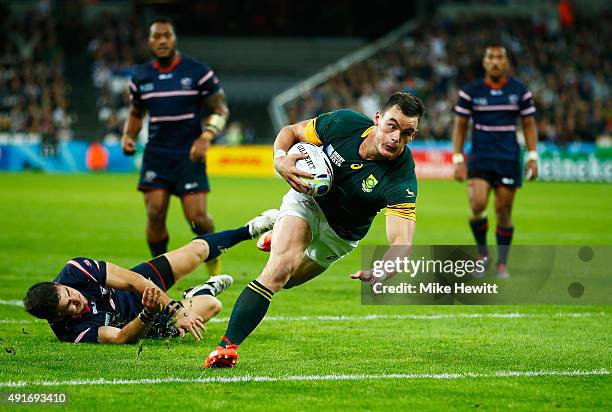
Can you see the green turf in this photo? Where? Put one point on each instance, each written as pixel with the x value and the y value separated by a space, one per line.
pixel 46 219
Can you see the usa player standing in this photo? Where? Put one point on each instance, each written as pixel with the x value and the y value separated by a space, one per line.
pixel 174 89
pixel 494 104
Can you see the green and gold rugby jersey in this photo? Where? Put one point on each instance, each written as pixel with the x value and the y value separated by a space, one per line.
pixel 361 188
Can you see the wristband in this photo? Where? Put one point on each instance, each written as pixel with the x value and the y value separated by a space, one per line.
pixel 457 158
pixel 215 123
pixel 146 317
pixel 173 307
pixel 532 155
pixel 279 153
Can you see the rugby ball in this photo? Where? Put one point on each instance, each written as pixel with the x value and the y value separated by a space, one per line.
pixel 317 163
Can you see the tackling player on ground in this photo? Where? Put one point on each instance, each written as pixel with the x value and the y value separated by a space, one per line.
pixel 99 302
pixel 373 169
pixel 175 90
pixel 494 103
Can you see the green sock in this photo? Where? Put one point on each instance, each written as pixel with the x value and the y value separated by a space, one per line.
pixel 249 310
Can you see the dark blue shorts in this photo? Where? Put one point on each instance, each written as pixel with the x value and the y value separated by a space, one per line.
pixel 178 176
pixel 496 171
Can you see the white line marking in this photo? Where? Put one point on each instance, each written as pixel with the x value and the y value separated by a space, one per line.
pixel 13 302
pixel 9 321
pixel 249 378
pixel 343 318
pixel 340 318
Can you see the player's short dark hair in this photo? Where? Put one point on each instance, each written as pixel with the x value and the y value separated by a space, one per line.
pixel 409 104
pixel 42 300
pixel 163 20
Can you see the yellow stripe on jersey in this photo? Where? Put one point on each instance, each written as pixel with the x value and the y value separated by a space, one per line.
pixel 311 133
pixel 367 131
pixel 403 210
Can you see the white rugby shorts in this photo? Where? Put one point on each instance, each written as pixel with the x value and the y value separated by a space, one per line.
pixel 326 247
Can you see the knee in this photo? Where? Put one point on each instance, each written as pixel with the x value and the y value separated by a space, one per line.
pixel 279 270
pixel 201 221
pixel 215 306
pixel 478 207
pixel 156 213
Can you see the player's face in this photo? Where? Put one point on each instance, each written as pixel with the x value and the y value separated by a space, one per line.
pixel 495 61
pixel 162 40
pixel 395 130
pixel 71 302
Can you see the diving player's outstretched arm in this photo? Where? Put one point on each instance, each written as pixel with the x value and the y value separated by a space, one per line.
pixel 400 232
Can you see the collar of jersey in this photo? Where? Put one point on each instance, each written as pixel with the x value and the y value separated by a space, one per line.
pixel 497 86
pixel 176 62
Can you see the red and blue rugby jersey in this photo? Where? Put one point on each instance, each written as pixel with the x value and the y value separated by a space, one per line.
pixel 494 112
pixel 173 97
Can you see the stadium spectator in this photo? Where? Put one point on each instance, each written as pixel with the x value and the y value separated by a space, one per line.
pixel 569 73
pixel 33 92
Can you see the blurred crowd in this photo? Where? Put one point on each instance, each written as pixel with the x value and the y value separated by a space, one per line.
pixel 116 44
pixel 34 94
pixel 566 64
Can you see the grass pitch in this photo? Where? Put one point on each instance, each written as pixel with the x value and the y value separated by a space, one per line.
pixel 319 349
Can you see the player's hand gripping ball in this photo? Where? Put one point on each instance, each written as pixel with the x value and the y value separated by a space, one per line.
pixel 318 164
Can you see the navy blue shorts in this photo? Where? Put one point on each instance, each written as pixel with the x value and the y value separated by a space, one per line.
pixel 178 176
pixel 496 171
pixel 157 271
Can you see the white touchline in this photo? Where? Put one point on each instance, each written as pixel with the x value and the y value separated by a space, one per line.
pixel 13 302
pixel 249 378
pixel 346 318
pixel 341 318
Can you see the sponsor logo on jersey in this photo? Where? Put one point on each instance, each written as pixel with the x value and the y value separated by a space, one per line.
pixel 334 156
pixel 497 92
pixel 147 87
pixel 165 76
pixel 368 184
pixel 149 176
pixel 356 166
pixel 410 193
pixel 191 185
pixel 186 83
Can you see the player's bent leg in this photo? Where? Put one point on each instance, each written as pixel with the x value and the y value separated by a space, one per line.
pixel 478 195
pixel 156 204
pixel 307 270
pixel 292 235
pixel 504 199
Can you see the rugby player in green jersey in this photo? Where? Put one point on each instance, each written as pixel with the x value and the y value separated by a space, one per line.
pixel 373 169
